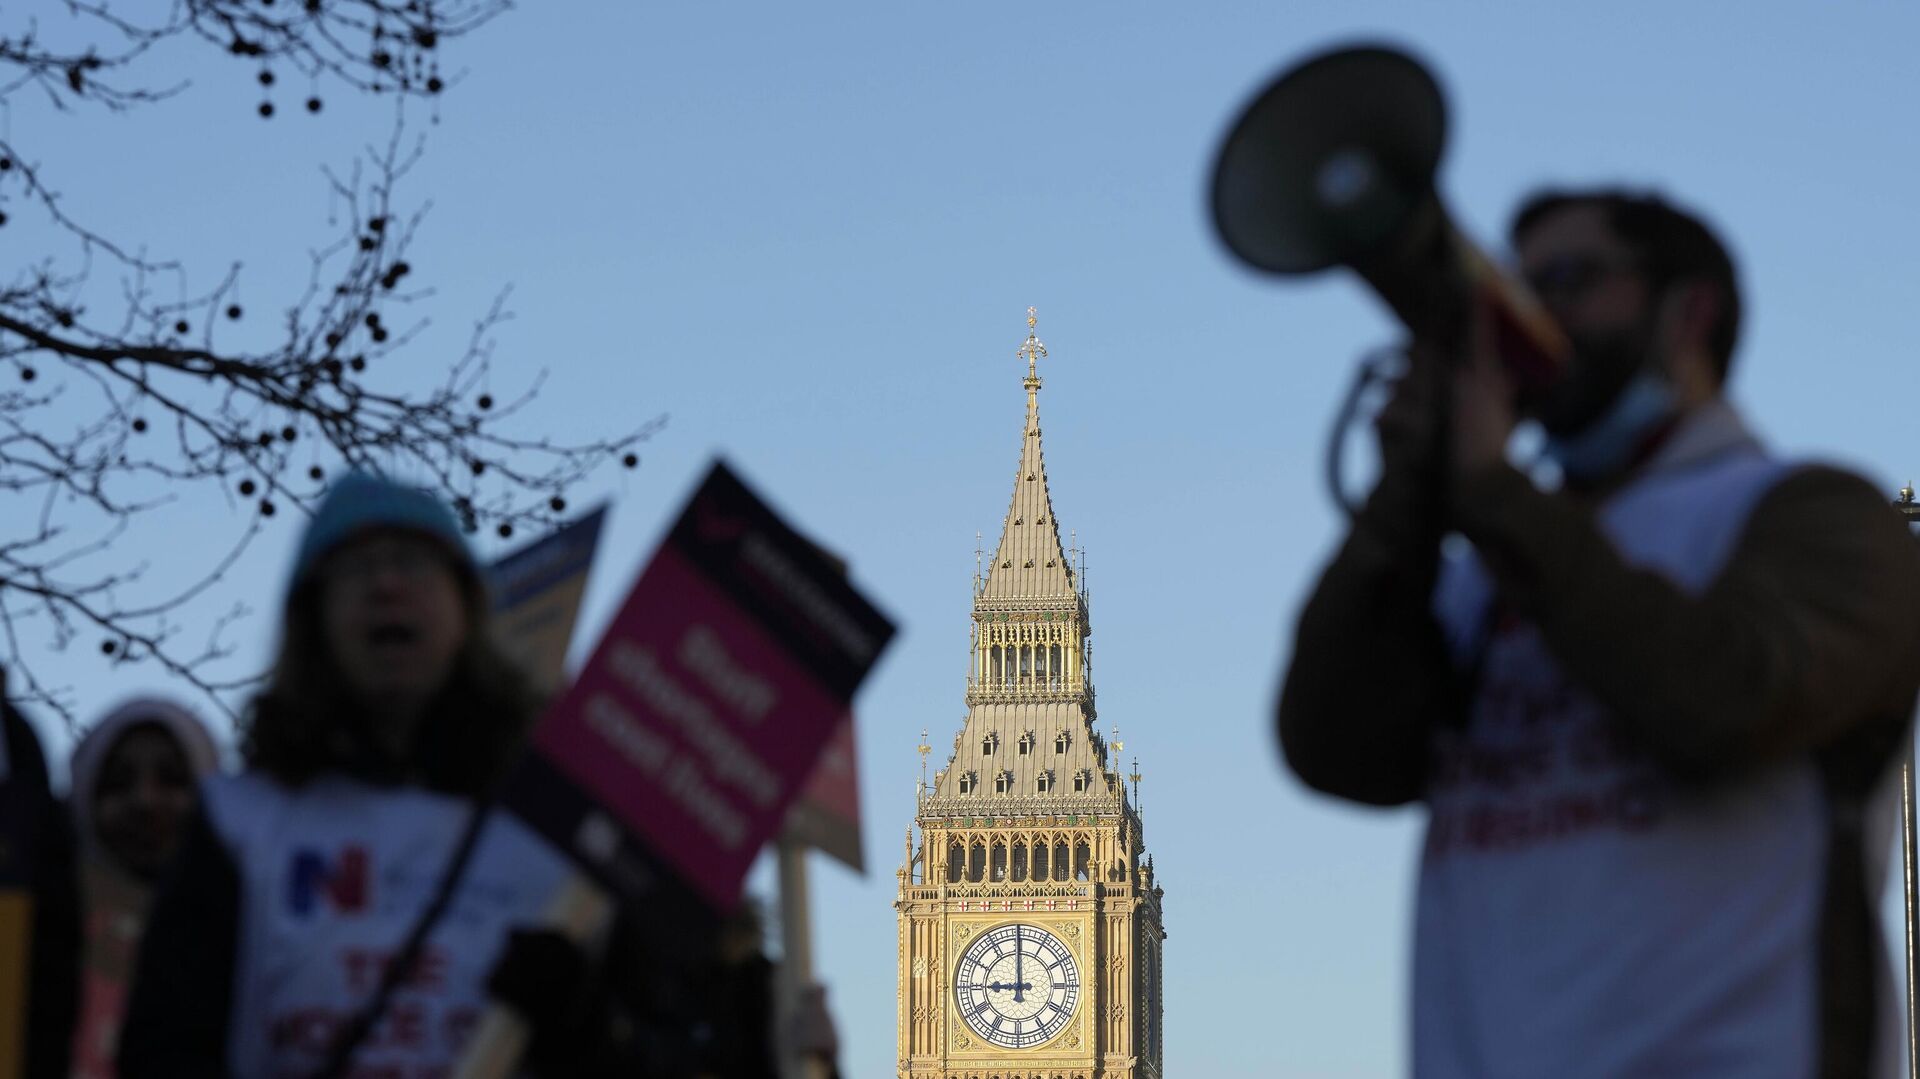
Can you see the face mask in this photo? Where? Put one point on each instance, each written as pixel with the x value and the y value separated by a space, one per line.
pixel 1605 446
pixel 1634 364
pixel 1606 361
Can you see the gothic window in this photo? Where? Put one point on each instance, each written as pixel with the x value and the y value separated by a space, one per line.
pixel 956 862
pixel 1026 663
pixel 1081 856
pixel 1053 665
pixel 977 862
pixel 1060 859
pixel 994 654
pixel 999 862
pixel 1019 861
pixel 1026 743
pixel 990 743
pixel 1040 860
pixel 1002 782
pixel 968 781
pixel 1044 782
pixel 1061 742
pixel 1082 781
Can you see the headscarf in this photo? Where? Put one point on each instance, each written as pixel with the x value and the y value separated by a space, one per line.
pixel 196 745
pixel 115 899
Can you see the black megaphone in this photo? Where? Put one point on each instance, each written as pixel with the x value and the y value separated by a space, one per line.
pixel 1334 164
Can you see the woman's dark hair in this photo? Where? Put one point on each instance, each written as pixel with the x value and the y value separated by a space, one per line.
pixel 1673 245
pixel 306 722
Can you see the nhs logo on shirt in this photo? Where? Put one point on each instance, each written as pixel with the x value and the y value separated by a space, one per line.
pixel 339 882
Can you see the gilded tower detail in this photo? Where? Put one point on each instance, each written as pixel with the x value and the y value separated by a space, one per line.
pixel 1030 923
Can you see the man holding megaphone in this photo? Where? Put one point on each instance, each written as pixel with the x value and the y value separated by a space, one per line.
pixel 1653 711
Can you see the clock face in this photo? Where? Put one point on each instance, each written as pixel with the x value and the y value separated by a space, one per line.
pixel 1016 986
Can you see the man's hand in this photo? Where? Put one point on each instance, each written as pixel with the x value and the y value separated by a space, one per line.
pixel 1408 426
pixel 1413 430
pixel 1483 403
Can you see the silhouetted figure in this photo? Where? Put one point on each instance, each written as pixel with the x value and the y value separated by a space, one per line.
pixel 39 908
pixel 1651 712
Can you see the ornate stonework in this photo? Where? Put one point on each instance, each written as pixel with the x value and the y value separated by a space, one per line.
pixel 1029 917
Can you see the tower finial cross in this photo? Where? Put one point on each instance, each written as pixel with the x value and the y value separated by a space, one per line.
pixel 1031 350
pixel 923 749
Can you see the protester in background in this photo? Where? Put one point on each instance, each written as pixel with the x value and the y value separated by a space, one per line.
pixel 1652 713
pixel 135 783
pixel 631 1014
pixel 359 820
pixel 349 904
pixel 742 992
pixel 39 909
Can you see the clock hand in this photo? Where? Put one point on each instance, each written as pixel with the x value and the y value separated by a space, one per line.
pixel 1017 978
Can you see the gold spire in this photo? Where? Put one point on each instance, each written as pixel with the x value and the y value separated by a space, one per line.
pixel 1031 351
pixel 1029 732
pixel 1029 561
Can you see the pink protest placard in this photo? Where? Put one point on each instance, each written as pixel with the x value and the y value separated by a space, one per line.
pixel 826 816
pixel 705 708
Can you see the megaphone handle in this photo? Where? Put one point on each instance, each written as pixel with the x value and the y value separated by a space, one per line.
pixel 1439 427
pixel 1335 457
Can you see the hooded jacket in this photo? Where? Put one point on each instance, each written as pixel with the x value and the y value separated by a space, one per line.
pixel 114 899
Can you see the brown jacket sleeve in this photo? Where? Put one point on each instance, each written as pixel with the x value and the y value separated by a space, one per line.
pixel 1370 672
pixel 1809 633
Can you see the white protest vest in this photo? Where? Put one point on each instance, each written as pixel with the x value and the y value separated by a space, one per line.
pixel 1581 916
pixel 332 876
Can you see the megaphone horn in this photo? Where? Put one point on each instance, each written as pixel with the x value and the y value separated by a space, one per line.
pixel 1333 164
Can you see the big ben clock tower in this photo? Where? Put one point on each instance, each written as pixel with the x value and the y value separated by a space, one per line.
pixel 1030 923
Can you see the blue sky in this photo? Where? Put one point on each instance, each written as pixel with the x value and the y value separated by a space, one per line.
pixel 810 234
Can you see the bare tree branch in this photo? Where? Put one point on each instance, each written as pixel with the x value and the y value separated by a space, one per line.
pixel 168 405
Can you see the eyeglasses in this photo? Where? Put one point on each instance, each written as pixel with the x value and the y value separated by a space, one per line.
pixel 407 558
pixel 1567 278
